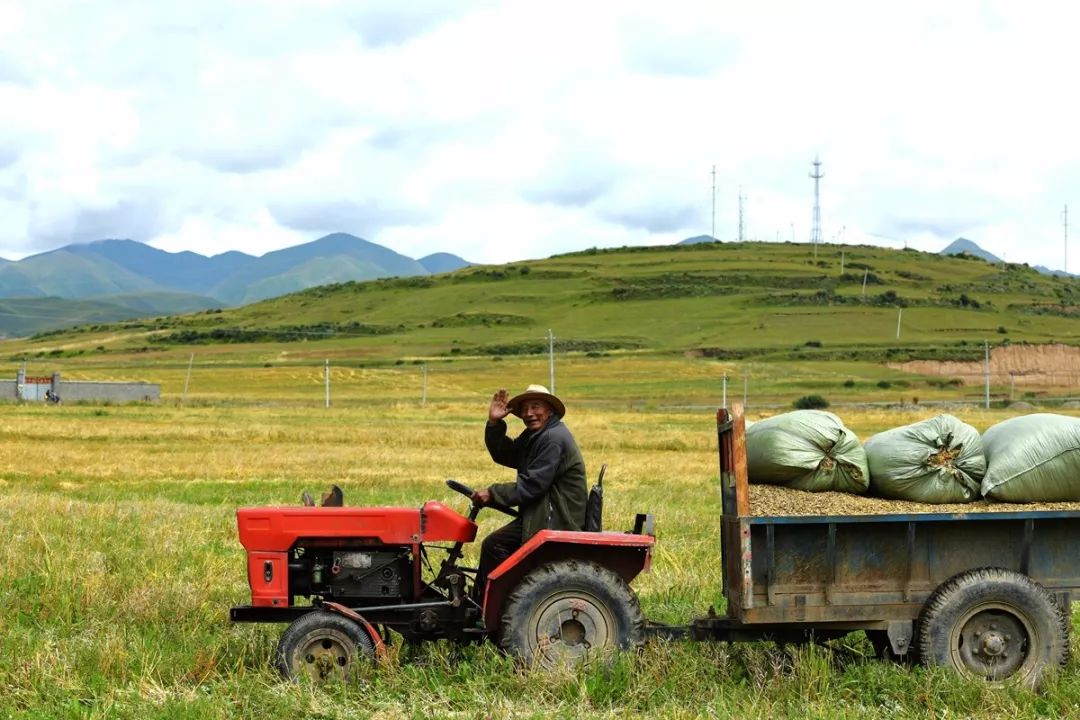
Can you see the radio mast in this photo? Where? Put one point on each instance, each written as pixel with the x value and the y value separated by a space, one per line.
pixel 815 233
pixel 742 198
pixel 712 234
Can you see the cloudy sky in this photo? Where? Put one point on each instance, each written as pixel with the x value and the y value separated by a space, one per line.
pixel 508 130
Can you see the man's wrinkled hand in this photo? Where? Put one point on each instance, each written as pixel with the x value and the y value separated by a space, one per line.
pixel 481 497
pixel 498 410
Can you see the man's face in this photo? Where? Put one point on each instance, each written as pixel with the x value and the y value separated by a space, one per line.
pixel 535 413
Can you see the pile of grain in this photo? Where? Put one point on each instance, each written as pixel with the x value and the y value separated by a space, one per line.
pixel 775 500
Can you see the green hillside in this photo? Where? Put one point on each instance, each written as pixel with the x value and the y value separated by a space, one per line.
pixel 724 300
pixel 314 272
pixel 26 315
pixel 66 274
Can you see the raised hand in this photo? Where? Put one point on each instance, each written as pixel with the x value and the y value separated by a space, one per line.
pixel 498 410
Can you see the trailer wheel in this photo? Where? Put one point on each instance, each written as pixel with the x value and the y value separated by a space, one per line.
pixel 995 624
pixel 323 646
pixel 566 613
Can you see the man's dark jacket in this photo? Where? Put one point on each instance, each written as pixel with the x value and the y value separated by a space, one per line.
pixel 550 487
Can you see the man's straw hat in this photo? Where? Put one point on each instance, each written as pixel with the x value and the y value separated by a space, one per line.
pixel 536 392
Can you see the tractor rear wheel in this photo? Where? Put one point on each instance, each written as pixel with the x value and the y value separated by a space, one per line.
pixel 566 613
pixel 995 624
pixel 323 646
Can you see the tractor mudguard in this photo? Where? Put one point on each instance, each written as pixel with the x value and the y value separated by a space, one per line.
pixel 376 639
pixel 626 554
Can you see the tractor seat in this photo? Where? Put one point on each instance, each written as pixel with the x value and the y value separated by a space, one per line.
pixel 594 506
pixel 332 498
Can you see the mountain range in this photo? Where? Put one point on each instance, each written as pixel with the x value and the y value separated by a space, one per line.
pixel 120 279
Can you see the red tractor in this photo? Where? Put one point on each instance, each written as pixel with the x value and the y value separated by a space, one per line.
pixel 343 577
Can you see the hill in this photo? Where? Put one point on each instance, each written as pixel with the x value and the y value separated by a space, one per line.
pixel 334 258
pixel 181 282
pixel 186 271
pixel 24 316
pixel 443 262
pixel 722 300
pixel 963 245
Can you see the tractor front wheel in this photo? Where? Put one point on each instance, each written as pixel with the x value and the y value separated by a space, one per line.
pixel 568 612
pixel 323 646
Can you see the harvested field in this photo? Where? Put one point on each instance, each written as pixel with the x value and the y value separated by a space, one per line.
pixel 771 500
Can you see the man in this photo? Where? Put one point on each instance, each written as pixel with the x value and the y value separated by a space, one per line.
pixel 549 490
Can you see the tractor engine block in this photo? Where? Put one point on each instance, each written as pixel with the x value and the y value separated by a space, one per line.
pixel 339 574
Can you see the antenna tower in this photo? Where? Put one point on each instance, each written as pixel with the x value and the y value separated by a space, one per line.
pixel 712 233
pixel 1065 222
pixel 815 233
pixel 742 198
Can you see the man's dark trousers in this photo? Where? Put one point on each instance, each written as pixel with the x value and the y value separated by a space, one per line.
pixel 496 547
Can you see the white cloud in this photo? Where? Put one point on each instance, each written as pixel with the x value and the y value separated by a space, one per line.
pixel 501 130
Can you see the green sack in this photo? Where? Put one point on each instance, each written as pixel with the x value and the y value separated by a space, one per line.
pixel 807 450
pixel 939 460
pixel 1033 458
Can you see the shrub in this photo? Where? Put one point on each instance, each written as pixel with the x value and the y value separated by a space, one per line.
pixel 849 383
pixel 884 384
pixel 811 402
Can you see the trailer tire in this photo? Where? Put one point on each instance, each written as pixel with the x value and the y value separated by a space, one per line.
pixel 568 613
pixel 323 646
pixel 996 624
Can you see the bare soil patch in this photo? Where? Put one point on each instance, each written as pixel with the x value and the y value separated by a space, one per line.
pixel 1025 364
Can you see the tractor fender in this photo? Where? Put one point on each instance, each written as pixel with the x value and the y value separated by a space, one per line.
pixel 376 639
pixel 625 554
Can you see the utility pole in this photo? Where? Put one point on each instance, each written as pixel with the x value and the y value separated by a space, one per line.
pixel 899 314
pixel 815 232
pixel 841 261
pixel 866 274
pixel 712 233
pixel 551 359
pixel 723 400
pixel 187 378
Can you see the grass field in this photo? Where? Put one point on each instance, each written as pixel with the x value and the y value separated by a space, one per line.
pixel 121 557
pixel 121 561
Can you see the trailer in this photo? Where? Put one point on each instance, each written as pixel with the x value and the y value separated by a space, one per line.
pixel 987 593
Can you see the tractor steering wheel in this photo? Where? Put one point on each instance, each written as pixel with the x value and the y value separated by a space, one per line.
pixel 468 492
